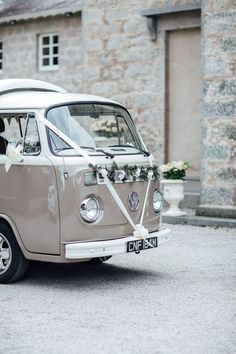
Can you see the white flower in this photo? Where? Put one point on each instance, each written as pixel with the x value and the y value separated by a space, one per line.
pixel 164 168
pixel 121 175
pixel 103 172
pixel 150 174
pixel 171 165
pixel 186 165
pixel 137 172
pixel 32 140
pixel 179 165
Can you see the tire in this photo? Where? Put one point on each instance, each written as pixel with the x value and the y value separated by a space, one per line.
pixel 99 260
pixel 13 264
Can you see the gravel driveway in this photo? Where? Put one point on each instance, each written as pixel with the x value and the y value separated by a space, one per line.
pixel 179 298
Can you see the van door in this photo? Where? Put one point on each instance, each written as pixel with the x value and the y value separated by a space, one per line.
pixel 28 193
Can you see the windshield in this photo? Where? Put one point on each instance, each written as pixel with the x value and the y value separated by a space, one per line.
pixel 93 126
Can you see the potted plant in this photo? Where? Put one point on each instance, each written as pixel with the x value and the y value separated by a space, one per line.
pixel 173 181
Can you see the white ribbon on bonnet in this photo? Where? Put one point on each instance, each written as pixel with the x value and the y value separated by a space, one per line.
pixel 139 230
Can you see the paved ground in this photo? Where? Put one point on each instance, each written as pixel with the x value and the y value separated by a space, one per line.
pixel 177 299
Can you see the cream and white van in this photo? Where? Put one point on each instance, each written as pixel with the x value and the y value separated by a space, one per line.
pixel 76 181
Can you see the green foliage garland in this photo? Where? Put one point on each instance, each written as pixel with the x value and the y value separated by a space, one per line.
pixel 127 172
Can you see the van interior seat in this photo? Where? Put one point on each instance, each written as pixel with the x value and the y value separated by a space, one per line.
pixel 3 141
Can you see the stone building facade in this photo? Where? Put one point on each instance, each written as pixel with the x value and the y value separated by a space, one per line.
pixel 171 62
pixel 218 171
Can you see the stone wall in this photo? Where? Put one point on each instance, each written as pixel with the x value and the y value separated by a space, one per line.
pixel 20 50
pixel 121 62
pixel 219 103
pixel 110 54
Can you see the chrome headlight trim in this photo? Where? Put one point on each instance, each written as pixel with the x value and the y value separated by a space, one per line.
pixel 89 209
pixel 157 201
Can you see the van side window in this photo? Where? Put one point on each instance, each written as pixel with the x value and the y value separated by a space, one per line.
pixel 12 128
pixel 31 144
pixel 21 128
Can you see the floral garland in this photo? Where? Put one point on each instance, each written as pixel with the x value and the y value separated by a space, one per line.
pixel 123 173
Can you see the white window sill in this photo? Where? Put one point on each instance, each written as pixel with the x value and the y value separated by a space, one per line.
pixel 49 68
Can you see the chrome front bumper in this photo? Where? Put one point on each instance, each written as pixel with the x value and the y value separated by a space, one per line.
pixel 82 250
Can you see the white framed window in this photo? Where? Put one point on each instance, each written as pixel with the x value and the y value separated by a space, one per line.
pixel 1 56
pixel 49 51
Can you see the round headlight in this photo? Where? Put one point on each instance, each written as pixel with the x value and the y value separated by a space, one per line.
pixel 157 201
pixel 89 209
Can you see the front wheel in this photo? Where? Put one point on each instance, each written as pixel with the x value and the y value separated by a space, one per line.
pixel 13 264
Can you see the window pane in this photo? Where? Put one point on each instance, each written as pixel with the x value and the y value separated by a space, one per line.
pixel 94 126
pixel 31 142
pixel 57 143
pixel 55 61
pixel 0 66
pixel 55 39
pixel 14 127
pixel 0 45
pixel 45 40
pixel 48 47
pixel 45 61
pixel 46 51
pixel 55 50
pixel 0 55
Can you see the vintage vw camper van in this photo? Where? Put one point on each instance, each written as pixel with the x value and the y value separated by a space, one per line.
pixel 76 181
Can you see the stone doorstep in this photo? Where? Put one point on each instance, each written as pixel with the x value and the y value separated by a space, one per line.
pixel 191 200
pixel 217 211
pixel 195 220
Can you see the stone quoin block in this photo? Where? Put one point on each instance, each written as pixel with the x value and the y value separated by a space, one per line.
pixel 216 195
pixel 230 132
pixel 229 44
pixel 219 23
pixel 216 152
pixel 219 109
pixel 228 88
pixel 217 66
pixel 227 174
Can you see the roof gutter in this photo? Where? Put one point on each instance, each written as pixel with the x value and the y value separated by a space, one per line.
pixel 65 11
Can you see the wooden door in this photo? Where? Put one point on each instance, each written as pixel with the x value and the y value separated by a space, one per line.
pixel 183 98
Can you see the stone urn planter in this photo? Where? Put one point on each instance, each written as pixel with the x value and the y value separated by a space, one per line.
pixel 173 194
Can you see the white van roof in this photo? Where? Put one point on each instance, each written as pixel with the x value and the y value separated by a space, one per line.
pixel 31 94
pixel 16 85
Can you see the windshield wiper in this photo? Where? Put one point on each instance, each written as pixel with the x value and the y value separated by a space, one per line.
pixel 99 150
pixel 63 148
pixel 89 148
pixel 133 147
pixel 106 153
